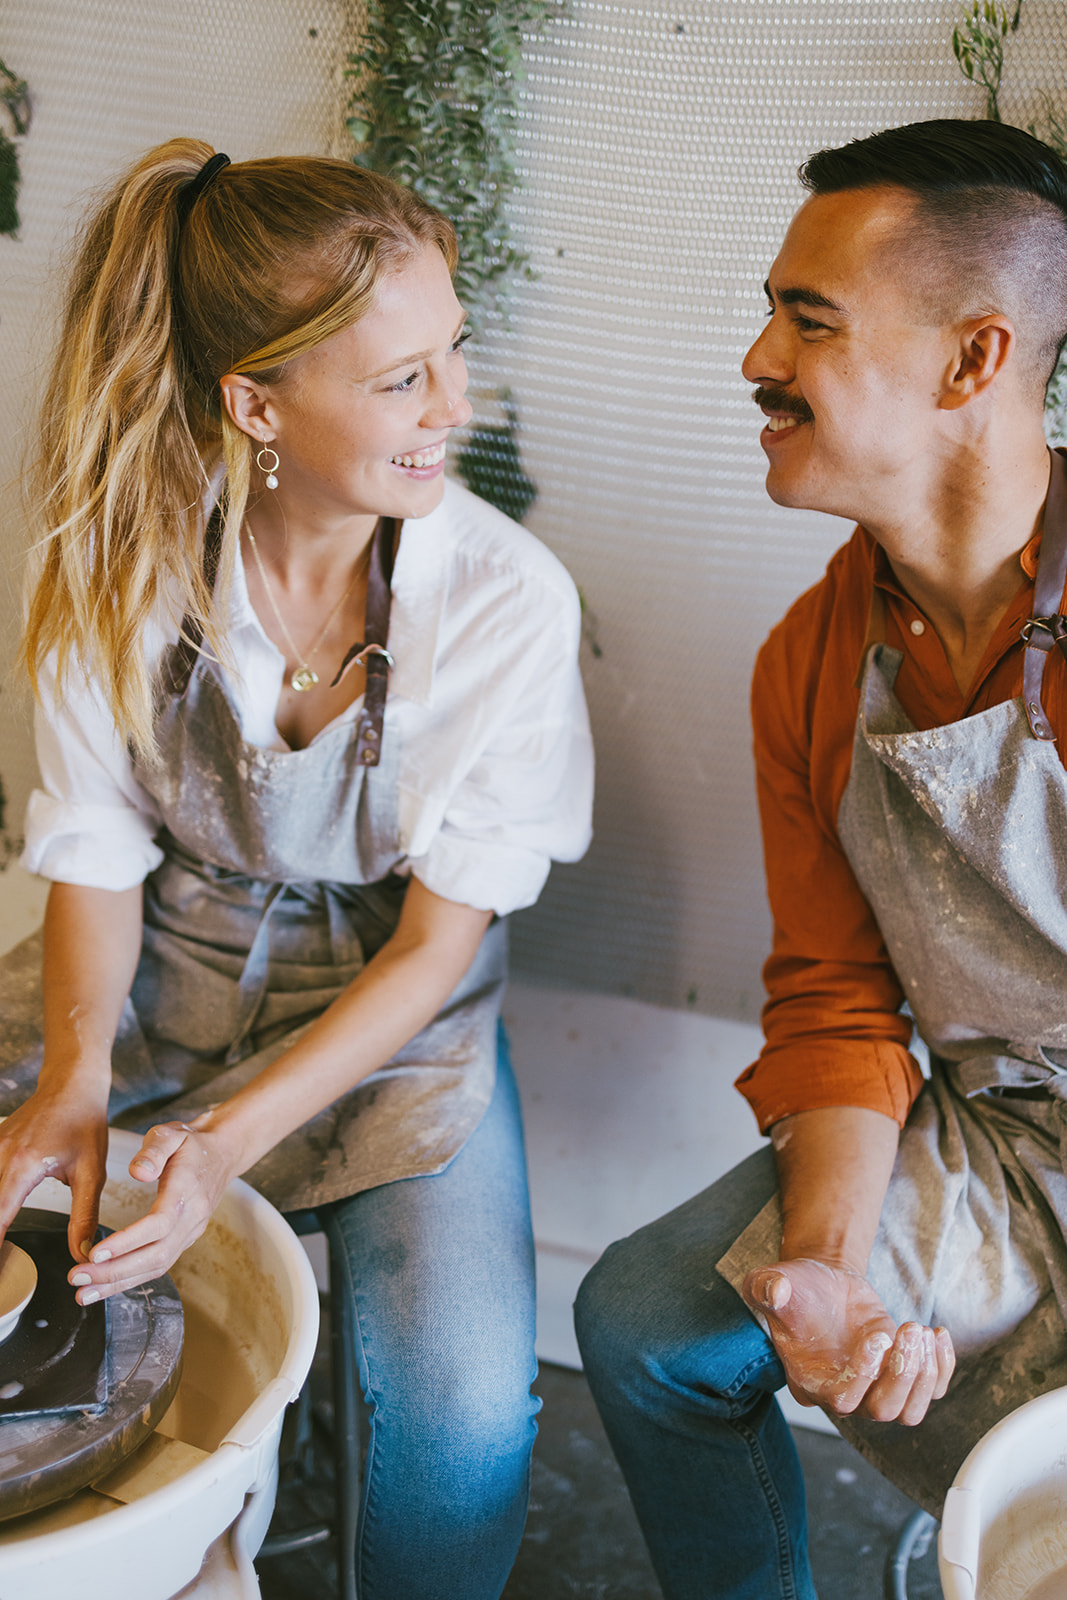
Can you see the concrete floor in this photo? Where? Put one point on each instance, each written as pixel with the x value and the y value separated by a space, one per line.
pixel 582 1541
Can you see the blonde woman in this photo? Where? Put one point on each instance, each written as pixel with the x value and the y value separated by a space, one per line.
pixel 309 726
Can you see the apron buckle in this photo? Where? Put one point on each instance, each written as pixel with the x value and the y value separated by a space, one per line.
pixel 1041 633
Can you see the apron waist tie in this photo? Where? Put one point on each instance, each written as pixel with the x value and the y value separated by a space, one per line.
pixel 252 985
pixel 981 1073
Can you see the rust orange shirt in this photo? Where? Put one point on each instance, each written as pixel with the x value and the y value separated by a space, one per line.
pixel 834 1031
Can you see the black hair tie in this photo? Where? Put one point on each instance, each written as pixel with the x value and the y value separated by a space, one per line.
pixel 190 192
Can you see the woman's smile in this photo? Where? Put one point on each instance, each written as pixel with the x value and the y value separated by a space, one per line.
pixel 425 461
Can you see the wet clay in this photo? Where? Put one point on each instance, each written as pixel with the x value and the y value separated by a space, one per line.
pixel 1054 1587
pixel 18 1280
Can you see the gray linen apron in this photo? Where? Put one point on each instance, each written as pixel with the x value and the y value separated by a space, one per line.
pixel 278 884
pixel 958 839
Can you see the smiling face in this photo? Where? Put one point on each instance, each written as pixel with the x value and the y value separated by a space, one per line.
pixel 360 423
pixel 849 376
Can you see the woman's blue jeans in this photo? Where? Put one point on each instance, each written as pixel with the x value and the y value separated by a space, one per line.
pixel 684 1378
pixel 442 1275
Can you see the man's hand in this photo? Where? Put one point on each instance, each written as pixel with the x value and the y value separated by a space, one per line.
pixel 841 1349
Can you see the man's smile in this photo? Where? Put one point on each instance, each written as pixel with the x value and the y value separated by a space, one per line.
pixel 782 409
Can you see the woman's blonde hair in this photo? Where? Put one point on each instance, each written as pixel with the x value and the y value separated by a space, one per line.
pixel 166 297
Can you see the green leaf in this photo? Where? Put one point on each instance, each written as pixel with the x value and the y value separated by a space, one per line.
pixel 437 107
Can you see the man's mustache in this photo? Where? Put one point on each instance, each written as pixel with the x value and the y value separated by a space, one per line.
pixel 771 399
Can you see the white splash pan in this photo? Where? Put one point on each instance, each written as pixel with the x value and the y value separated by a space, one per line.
pixel 251 1310
pixel 1004 1526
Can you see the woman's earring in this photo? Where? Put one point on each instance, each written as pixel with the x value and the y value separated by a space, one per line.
pixel 272 470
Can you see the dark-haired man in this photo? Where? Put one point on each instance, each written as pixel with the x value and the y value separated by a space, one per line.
pixel 914 809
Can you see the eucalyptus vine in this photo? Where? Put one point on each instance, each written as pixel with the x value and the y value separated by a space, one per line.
pixel 436 105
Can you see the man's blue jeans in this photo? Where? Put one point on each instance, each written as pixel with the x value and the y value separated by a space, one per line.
pixel 684 1378
pixel 442 1275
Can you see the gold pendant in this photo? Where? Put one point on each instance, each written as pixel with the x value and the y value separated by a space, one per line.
pixel 304 678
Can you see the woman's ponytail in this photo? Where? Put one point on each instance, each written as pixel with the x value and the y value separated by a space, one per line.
pixel 119 476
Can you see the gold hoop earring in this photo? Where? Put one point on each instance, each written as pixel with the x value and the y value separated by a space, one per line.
pixel 271 471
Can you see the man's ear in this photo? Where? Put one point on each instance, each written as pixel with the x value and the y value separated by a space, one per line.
pixel 247 404
pixel 983 349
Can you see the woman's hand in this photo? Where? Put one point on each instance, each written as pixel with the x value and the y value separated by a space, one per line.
pixel 57 1133
pixel 193 1165
pixel 91 941
pixel 398 992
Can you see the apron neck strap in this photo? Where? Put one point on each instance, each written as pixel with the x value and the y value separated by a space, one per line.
pixel 371 652
pixel 183 656
pixel 1047 627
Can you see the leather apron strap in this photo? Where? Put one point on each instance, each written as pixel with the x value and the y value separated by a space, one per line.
pixel 1047 627
pixel 372 653
pixel 182 658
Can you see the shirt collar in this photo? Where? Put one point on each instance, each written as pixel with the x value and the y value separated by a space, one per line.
pixel 242 614
pixel 419 591
pixel 885 578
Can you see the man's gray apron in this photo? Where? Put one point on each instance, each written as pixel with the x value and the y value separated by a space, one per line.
pixel 958 838
pixel 278 884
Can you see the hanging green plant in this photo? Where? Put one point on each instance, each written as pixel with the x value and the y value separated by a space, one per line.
pixel 14 95
pixel 436 107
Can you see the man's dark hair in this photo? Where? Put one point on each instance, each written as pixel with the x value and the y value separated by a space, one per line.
pixel 989 230
pixel 940 158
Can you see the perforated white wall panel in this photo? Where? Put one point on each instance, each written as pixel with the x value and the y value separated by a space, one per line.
pixel 659 145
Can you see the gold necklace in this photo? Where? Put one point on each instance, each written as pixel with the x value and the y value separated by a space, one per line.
pixel 305 677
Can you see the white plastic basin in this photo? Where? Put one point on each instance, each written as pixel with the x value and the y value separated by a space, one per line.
pixel 1004 1526
pixel 199 1494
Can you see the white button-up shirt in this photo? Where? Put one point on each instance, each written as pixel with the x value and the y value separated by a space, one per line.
pixel 485 701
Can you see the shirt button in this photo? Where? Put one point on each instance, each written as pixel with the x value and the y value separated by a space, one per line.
pixel 918 626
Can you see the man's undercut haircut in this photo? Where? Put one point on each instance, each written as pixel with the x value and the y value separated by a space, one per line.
pixel 989 230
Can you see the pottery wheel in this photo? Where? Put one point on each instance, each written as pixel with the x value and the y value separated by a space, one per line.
pixel 115 1375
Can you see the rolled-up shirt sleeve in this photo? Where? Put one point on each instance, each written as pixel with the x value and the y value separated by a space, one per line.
pixel 90 822
pixel 835 1033
pixel 523 791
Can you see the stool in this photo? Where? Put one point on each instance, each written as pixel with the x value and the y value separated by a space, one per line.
pixel 344 1383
